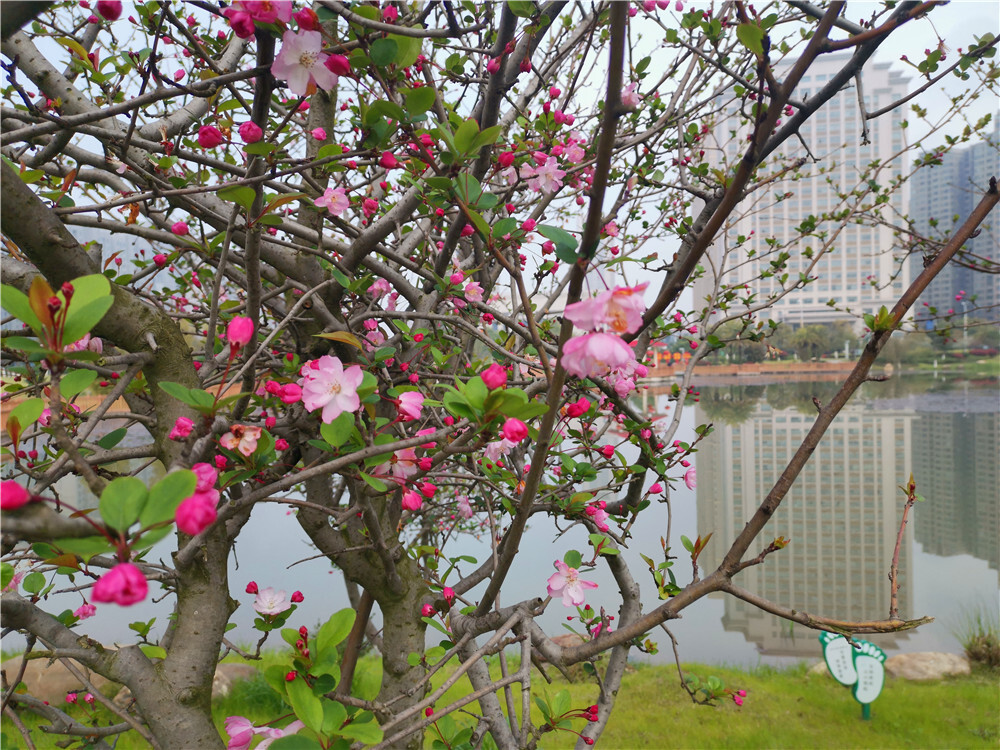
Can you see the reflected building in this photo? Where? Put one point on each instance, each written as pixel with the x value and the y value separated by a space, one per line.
pixel 842 517
pixel 956 468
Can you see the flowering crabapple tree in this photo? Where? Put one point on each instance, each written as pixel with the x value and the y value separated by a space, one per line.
pixel 400 267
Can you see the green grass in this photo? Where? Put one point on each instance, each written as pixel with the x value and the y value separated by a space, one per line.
pixel 979 634
pixel 783 709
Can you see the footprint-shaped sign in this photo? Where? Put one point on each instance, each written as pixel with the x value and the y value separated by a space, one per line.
pixel 859 664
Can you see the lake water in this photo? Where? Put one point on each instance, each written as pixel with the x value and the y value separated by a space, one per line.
pixel 842 519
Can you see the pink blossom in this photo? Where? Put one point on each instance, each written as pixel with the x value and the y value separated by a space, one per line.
pixel 546 178
pixel 297 597
pixel 335 200
pixel 390 14
pixel 690 478
pixel 515 430
pixel 473 291
pixel 84 611
pixel 619 310
pixel 388 160
pixel 464 507
pixel 493 451
pixel 240 731
pixel 198 512
pixel 412 500
pixel 209 136
pixel 328 386
pixel 180 228
pixel 611 229
pixel 369 206
pixel 427 610
pixel 160 260
pixel 495 376
pixel 13 495
pixel 124 585
pixel 630 97
pixel 273 733
pixel 181 429
pixel 242 438
pixel 598 515
pixel 595 354
pixel 250 132
pixel 493 65
pixel 271 602
pixel 656 489
pixel 300 63
pixel 239 332
pixel 566 582
pixel 401 465
pixel 205 475
pixel 410 404
pixel 110 10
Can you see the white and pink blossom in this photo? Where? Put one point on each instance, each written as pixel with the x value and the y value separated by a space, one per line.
pixel 327 385
pixel 566 582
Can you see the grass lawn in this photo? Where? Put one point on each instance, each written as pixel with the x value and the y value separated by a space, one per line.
pixel 782 709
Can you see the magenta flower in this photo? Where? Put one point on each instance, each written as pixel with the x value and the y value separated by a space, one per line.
pixel 427 610
pixel 595 354
pixel 335 200
pixel 690 478
pixel 13 495
pixel 239 332
pixel 181 429
pixel 180 228
pixel 290 393
pixel 271 602
pixel 598 515
pixel 242 438
pixel 250 132
pixel 110 10
pixel 160 260
pixel 338 65
pixel 198 512
pixel 84 611
pixel 206 476
pixel 577 408
pixel 328 386
pixel 515 430
pixel 388 160
pixel 240 731
pixel 410 405
pixel 566 582
pixel 494 376
pixel 412 500
pixel 124 585
pixel 300 63
pixel 209 136
pixel 656 489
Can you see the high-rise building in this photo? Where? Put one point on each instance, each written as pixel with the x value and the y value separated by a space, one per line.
pixel 941 197
pixel 838 160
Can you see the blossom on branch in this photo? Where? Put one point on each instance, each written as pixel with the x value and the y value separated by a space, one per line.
pixel 566 582
pixel 124 585
pixel 300 63
pixel 327 385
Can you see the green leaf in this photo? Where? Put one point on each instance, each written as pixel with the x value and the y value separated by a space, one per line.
pixel 334 714
pixel 28 411
pixel 16 303
pixel 306 706
pixel 479 223
pixel 566 244
pixel 261 148
pixel 407 49
pixel 376 484
pixel 122 501
pixel 339 431
pixel 296 741
pixel 335 630
pixel 112 439
pixel 238 194
pixel 6 575
pixel 383 52
pixel 521 8
pixel 688 544
pixel 86 547
pixel 467 188
pixel 153 652
pixel 75 382
pixel 81 320
pixel 419 100
pixel 166 495
pixel 33 583
pixel 476 393
pixel 573 558
pixel 465 135
pixel 368 732
pixel 486 138
pixel 752 37
pixel 23 344
pixel 457 405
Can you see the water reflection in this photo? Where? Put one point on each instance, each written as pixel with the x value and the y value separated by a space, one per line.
pixel 843 513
